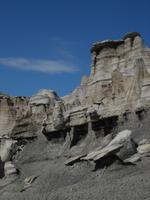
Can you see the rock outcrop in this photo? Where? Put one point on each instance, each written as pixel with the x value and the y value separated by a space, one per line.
pixel 55 141
pixel 6 146
pixel 119 82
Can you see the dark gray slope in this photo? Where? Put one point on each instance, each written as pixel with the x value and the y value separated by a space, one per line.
pixel 55 181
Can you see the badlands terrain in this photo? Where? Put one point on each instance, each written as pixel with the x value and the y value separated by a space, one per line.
pixel 94 143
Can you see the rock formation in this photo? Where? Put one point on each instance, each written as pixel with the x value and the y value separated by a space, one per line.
pixel 88 125
pixel 119 82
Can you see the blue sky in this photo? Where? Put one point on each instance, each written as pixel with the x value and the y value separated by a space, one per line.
pixel 46 43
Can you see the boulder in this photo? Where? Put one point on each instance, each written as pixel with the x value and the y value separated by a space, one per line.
pixel 121 138
pixel 129 149
pixel 112 148
pixel 144 148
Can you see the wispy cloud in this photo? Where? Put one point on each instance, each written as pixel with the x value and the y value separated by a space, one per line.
pixel 43 66
pixel 66 54
pixel 63 48
pixel 61 42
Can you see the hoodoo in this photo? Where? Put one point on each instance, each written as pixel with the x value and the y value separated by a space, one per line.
pixel 55 147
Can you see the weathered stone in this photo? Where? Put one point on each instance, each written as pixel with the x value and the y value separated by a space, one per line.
pixel 129 149
pixel 98 46
pixel 131 35
pixel 44 97
pixel 134 158
pixel 144 141
pixel 9 169
pixel 119 81
pixel 12 110
pixel 30 179
pixel 7 115
pixel 81 126
pixel 84 80
pixel 145 148
pixel 121 137
pixel 106 151
pixel 6 145
pixel 112 148
pixel 73 160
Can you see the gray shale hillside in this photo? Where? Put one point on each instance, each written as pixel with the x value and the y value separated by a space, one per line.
pixel 92 144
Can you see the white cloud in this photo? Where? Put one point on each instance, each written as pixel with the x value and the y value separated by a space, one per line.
pixel 44 66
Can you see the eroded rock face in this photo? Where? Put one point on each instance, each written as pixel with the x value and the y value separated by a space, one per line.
pixel 89 128
pixel 7 168
pixel 119 82
pixel 22 117
pixel 12 110
pixel 7 115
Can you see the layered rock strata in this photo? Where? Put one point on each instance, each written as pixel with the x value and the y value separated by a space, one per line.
pixel 87 130
pixel 119 83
